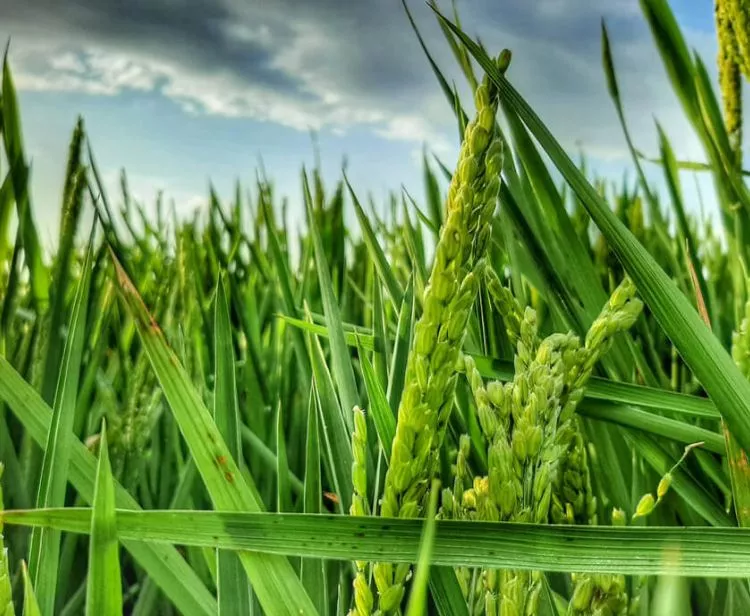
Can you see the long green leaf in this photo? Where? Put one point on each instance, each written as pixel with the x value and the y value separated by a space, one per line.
pixel 343 373
pixel 283 491
pixel 19 172
pixel 652 423
pixel 336 438
pixel 104 586
pixel 285 283
pixel 690 245
pixel 453 100
pixel 597 388
pixel 418 598
pixel 274 581
pixel 380 411
pixel 446 592
pixel 633 550
pixel 376 252
pixel 30 604
pixel 44 550
pixel 232 585
pixel 268 456
pixel 402 344
pixel 313 570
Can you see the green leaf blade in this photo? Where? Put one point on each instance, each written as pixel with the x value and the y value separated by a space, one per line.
pixel 44 550
pixel 104 586
pixel 274 581
pixel 232 586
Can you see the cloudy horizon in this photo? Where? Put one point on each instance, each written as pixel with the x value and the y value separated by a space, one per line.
pixel 180 92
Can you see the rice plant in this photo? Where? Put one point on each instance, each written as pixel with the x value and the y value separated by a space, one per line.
pixel 511 396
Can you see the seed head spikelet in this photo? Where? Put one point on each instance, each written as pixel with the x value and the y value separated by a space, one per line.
pixel 737 14
pixel 729 62
pixel 438 335
pixel 538 469
pixel 363 598
pixel 741 343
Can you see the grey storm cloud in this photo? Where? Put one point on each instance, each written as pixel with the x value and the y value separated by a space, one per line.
pixel 188 31
pixel 369 37
pixel 336 63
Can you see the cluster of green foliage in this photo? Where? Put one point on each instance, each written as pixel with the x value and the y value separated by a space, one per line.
pixel 192 410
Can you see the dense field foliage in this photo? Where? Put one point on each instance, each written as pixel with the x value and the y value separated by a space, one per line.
pixel 510 396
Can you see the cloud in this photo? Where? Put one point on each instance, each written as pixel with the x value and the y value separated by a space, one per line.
pixel 316 70
pixel 329 64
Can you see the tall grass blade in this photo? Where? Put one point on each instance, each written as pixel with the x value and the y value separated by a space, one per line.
pixel 336 439
pixel 30 604
pixel 417 605
pixel 376 252
pixel 380 411
pixel 453 100
pixel 75 183
pixel 401 346
pixel 44 550
pixel 673 184
pixel 631 550
pixel 446 592
pixel 343 373
pixel 20 172
pixel 283 490
pixel 285 283
pixel 313 571
pixel 273 579
pixel 104 586
pixel 232 585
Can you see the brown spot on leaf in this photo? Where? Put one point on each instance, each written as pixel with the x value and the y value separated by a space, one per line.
pixel 154 325
pixel 229 477
pixel 134 300
pixel 699 299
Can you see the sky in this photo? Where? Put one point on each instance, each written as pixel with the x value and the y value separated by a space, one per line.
pixel 183 92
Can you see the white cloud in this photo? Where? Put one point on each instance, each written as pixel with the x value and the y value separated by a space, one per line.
pixel 316 64
pixel 323 69
pixel 414 128
pixel 57 68
pixel 244 33
pixel 68 62
pixel 99 71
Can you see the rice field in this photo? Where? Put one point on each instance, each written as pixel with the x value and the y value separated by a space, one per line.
pixel 511 395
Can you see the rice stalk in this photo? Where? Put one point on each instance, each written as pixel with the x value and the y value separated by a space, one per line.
pixel 448 300
pixel 738 13
pixel 363 597
pixel 730 72
pixel 537 463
